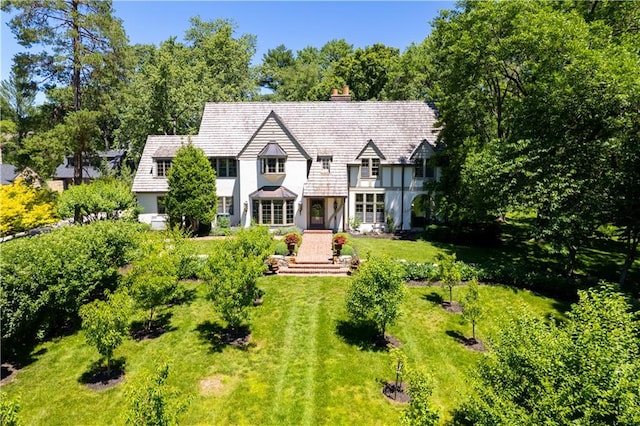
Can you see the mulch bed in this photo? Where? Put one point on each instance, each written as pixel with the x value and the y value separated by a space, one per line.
pixel 236 337
pixel 101 379
pixel 453 307
pixel 144 333
pixel 8 373
pixel 474 344
pixel 398 394
pixel 386 341
pixel 413 283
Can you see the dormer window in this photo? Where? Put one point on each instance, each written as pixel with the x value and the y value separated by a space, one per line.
pixel 162 167
pixel 273 159
pixel 370 168
pixel 326 163
pixel 423 169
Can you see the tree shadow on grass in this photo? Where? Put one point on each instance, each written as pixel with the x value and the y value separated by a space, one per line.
pixel 183 296
pixel 457 336
pixel 433 297
pixel 98 377
pixel 140 330
pixel 364 336
pixel 218 336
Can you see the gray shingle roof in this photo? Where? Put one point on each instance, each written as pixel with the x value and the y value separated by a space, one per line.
pixel 341 128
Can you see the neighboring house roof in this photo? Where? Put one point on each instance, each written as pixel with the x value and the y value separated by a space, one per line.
pixel 113 158
pixel 343 129
pixel 8 174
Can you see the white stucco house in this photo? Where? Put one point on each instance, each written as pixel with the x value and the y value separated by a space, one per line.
pixel 314 165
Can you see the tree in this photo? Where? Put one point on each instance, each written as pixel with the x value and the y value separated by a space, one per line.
pixel 24 207
pixel 585 372
pixel 191 200
pixel 231 278
pixel 82 40
pixel 449 272
pixel 153 281
pixel 107 196
pixel 376 293
pixel 419 412
pixel 152 402
pixel 106 323
pixel 473 308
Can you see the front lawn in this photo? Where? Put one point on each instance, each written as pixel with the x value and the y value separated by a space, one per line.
pixel 305 364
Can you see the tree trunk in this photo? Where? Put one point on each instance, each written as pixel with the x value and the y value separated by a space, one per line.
pixel 473 330
pixel 632 247
pixel 450 294
pixel 571 259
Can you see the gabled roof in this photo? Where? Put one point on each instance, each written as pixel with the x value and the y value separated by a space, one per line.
pixel 419 150
pixel 372 145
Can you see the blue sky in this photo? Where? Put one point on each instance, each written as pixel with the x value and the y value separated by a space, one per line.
pixel 295 24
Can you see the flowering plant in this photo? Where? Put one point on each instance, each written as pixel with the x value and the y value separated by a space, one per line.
pixel 292 238
pixel 340 239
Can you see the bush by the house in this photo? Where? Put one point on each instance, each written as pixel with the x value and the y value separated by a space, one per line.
pixel 281 248
pixel 108 198
pixel 45 279
pixel 414 271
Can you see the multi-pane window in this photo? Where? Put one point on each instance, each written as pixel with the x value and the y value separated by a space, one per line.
pixel 423 169
pixel 225 205
pixel 273 165
pixel 326 163
pixel 370 168
pixel 162 167
pixel 224 167
pixel 273 212
pixel 370 208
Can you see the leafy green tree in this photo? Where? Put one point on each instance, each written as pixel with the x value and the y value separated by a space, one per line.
pixel 153 281
pixel 376 292
pixel 449 272
pixel 81 41
pixel 152 402
pixel 420 412
pixel 191 199
pixel 584 372
pixel 106 323
pixel 108 196
pixel 473 308
pixel 232 279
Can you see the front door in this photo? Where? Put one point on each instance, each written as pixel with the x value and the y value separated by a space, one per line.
pixel 316 213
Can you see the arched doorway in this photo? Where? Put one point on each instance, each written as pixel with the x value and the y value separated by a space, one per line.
pixel 420 211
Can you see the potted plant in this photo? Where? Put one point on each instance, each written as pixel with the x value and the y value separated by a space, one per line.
pixel 338 241
pixel 291 240
pixel 273 264
pixel 353 266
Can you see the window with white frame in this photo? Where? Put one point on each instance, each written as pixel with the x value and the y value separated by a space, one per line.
pixel 370 208
pixel 162 167
pixel 225 205
pixel 370 168
pixel 224 167
pixel 423 169
pixel 273 212
pixel 273 165
pixel 326 163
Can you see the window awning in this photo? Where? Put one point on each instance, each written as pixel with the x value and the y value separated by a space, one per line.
pixel 272 149
pixel 273 192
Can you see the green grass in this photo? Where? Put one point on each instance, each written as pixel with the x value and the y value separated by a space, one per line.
pixel 304 366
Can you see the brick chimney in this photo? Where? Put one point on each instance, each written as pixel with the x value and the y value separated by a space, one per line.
pixel 343 97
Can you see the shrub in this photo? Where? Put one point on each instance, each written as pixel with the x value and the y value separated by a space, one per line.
pixel 255 241
pixel 9 409
pixel 23 207
pixel 354 223
pixel 281 248
pixel 347 250
pixel 419 412
pixel 109 197
pixel 414 271
pixel 45 279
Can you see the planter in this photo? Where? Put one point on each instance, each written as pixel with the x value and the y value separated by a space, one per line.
pixel 338 248
pixel 291 248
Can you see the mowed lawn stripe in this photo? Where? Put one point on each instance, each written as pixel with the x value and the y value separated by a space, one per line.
pixel 294 396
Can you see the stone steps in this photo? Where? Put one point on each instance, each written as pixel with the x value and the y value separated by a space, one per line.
pixel 314 269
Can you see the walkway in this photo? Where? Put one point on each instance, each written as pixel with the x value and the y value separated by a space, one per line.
pixel 315 247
